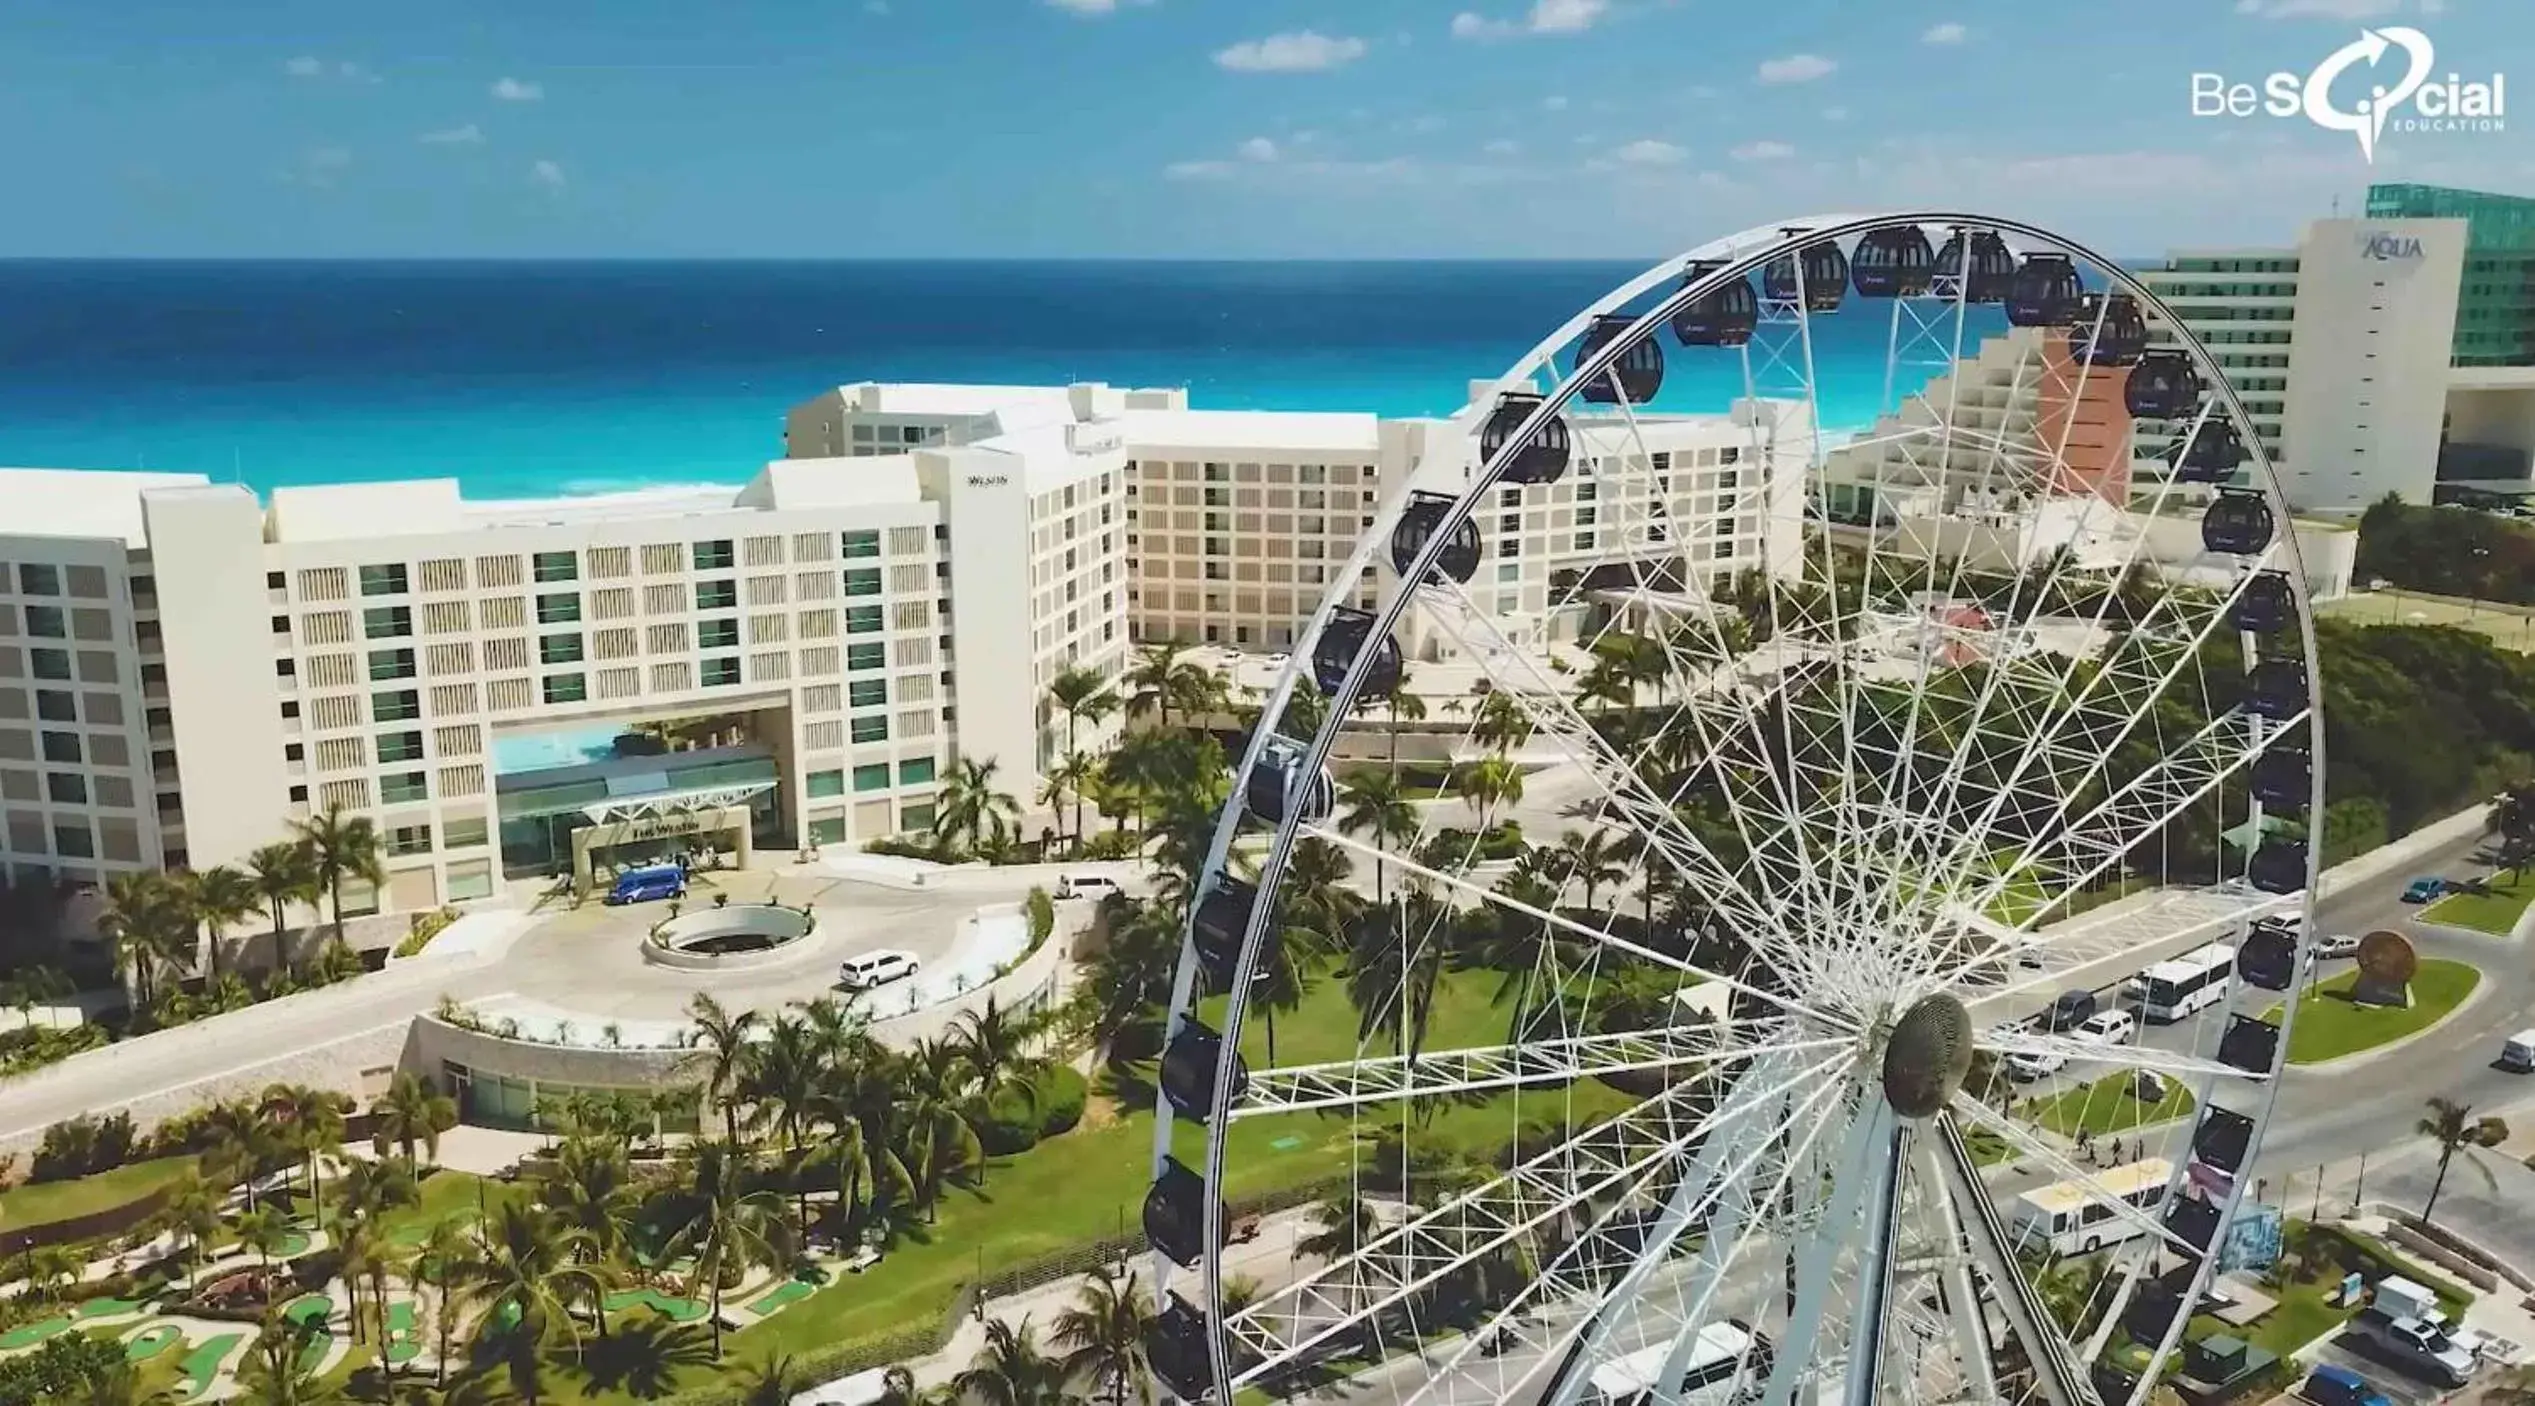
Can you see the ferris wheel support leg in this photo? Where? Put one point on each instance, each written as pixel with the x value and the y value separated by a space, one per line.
pixel 1970 1322
pixel 1875 1258
pixel 2061 1382
pixel 1870 1131
pixel 1716 1258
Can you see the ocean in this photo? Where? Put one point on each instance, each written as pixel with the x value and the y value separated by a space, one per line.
pixel 528 379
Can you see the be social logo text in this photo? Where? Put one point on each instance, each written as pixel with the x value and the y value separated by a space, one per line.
pixel 2398 89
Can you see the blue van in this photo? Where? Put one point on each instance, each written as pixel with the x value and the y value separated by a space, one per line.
pixel 647 883
pixel 2328 1385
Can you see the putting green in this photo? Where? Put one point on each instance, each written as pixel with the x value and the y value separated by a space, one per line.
pixel 150 1342
pixel 106 1308
pixel 404 1333
pixel 312 1308
pixel 676 1310
pixel 29 1334
pixel 202 1364
pixel 793 1291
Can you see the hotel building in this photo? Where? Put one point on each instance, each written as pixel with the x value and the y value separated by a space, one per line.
pixel 543 688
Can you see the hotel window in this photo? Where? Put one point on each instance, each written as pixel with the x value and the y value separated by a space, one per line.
pixel 67 788
pixel 36 580
pixel 400 746
pixel 713 556
pixel 865 656
pixel 862 619
pixel 72 840
pixel 403 840
pixel 862 544
pixel 721 673
pixel 61 747
pixel 559 649
pixel 467 834
pixel 915 771
pixel 47 621
pixel 823 784
pixel 863 581
pixel 567 688
pixel 717 595
pixel 386 664
pixel 558 608
pixel 874 777
pixel 867 693
pixel 871 729
pixel 50 663
pixel 717 634
pixel 383 580
pixel 386 622
pixel 404 788
pixel 557 566
pixel 396 705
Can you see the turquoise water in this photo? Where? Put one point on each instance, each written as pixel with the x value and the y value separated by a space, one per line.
pixel 525 379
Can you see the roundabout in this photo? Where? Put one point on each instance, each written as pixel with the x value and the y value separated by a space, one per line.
pixel 733 936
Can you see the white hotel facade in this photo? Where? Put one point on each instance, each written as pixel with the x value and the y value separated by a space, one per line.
pixel 185 668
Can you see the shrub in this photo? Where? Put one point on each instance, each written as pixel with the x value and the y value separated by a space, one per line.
pixel 422 928
pixel 76 1147
pixel 1062 1093
pixel 1008 1127
pixel 1042 911
pixel 65 1368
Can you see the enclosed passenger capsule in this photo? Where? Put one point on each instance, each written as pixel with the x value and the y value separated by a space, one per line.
pixel 1281 780
pixel 1175 1345
pixel 1979 265
pixel 1635 376
pixel 2250 1044
pixel 2266 606
pixel 1347 634
pixel 2238 524
pixel 1420 519
pixel 2210 453
pixel 2163 386
pixel 1724 316
pixel 2276 689
pixel 2045 293
pixel 1892 263
pixel 1222 921
pixel 2284 778
pixel 2279 866
pixel 1175 1213
pixel 1817 275
pixel 2192 1221
pixel 1541 459
pixel 2223 1138
pixel 2108 330
pixel 2267 958
pixel 1188 1070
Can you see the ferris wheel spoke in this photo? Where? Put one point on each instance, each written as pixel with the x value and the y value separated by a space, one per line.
pixel 1452 1072
pixel 1285 1326
pixel 1603 936
pixel 2140 1057
pixel 2029 1147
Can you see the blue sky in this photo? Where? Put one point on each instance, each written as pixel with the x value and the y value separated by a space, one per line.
pixel 1175 128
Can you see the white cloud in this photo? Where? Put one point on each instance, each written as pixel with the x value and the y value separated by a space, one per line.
pixel 1553 103
pixel 513 90
pixel 1198 170
pixel 1647 151
pixel 1544 17
pixel 1762 151
pixel 1303 51
pixel 546 173
pixel 319 166
pixel 1426 124
pixel 305 66
pixel 1946 33
pixel 1835 114
pixel 468 135
pixel 875 7
pixel 311 67
pixel 1796 68
pixel 1258 149
pixel 1503 147
pixel 1094 7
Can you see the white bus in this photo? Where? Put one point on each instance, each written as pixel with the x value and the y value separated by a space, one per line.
pixel 2173 989
pixel 2074 1218
pixel 1707 1380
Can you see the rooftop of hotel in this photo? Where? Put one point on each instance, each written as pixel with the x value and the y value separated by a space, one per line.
pixel 81 502
pixel 1300 431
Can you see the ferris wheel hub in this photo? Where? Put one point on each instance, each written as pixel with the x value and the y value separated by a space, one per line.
pixel 1927 1056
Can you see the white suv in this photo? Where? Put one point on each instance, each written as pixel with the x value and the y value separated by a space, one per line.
pixel 2106 1028
pixel 875 969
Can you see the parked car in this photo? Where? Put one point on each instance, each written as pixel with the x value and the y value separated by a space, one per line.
pixel 2069 1010
pixel 2107 1028
pixel 2337 946
pixel 2328 1385
pixel 2423 890
pixel 2517 1053
pixel 2025 1066
pixel 1093 886
pixel 647 883
pixel 873 969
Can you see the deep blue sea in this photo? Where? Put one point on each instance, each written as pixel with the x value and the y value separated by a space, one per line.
pixel 525 379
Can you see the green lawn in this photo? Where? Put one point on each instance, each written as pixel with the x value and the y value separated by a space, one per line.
pixel 2110 1105
pixel 446 1195
pixel 2330 1024
pixel 2495 912
pixel 42 1203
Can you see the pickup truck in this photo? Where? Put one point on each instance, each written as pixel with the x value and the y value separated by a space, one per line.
pixel 2415 1348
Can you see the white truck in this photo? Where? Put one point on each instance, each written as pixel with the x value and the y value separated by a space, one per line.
pixel 2394 1330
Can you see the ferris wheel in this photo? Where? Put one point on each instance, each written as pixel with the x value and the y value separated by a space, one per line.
pixel 1760 915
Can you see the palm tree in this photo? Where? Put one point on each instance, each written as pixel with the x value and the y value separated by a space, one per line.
pixel 719 1056
pixel 411 1113
pixel 238 1139
pixel 2512 819
pixel 264 1230
pixel 192 1211
pixel 968 810
pixel 121 1384
pixel 1011 1371
pixel 1072 776
pixel 590 1187
pixel 342 848
pixel 1371 804
pixel 775 1382
pixel 1403 707
pixel 308 1122
pixel 48 1267
pixel 141 922
pixel 939 1142
pixel 439 1263
pixel 783 1082
pixel 1487 783
pixel 1499 722
pixel 2454 1128
pixel 1082 696
pixel 723 1225
pixel 522 1272
pixel 283 874
pixel 1104 1336
pixel 213 900
pixel 1593 860
pixel 275 1372
pixel 997 1041
pixel 1396 959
